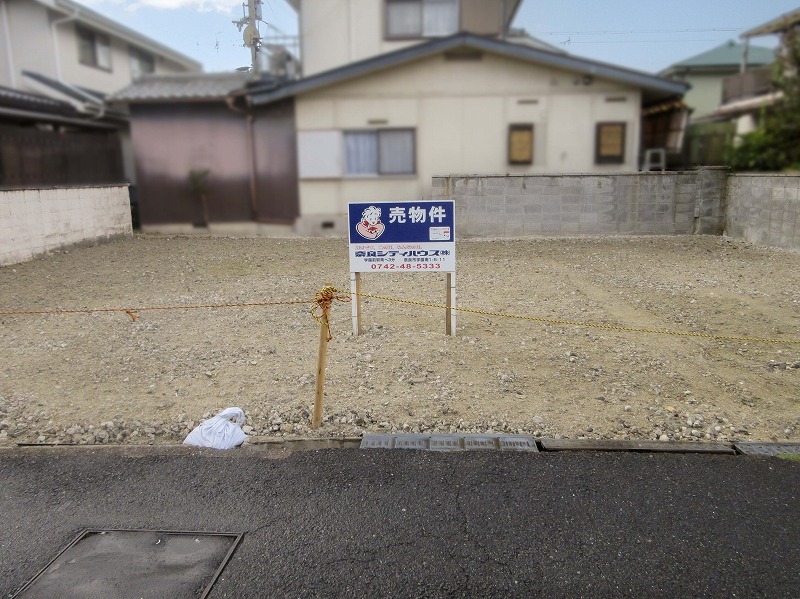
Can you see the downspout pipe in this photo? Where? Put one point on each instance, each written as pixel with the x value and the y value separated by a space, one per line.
pixel 230 101
pixel 12 77
pixel 54 29
pixel 59 76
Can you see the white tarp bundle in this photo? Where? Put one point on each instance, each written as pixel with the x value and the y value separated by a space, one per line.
pixel 223 431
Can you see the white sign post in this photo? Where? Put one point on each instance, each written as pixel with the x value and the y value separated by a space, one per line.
pixel 403 237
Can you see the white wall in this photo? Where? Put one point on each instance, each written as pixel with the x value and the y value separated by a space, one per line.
pixel 72 71
pixel 33 45
pixel 461 111
pixel 28 51
pixel 337 32
pixel 35 221
pixel 705 94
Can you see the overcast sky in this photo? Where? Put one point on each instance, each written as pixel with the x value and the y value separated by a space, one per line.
pixel 641 34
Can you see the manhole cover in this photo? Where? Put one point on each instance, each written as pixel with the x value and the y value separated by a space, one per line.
pixel 134 564
pixel 774 449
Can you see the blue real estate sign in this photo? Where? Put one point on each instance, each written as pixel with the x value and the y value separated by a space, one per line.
pixel 402 236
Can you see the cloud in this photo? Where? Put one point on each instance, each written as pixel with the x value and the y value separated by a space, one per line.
pixel 224 6
pixel 201 5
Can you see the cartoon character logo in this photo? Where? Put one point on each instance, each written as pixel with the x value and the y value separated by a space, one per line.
pixel 371 226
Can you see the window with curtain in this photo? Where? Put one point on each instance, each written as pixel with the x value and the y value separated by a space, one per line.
pixel 421 18
pixel 609 143
pixel 94 49
pixel 520 144
pixel 379 152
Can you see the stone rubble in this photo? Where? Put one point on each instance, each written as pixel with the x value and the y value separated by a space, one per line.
pixel 105 379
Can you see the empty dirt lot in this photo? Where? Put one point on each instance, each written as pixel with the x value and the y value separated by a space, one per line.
pixel 104 377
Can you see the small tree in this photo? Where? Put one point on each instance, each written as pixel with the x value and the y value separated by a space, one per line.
pixel 198 184
pixel 774 146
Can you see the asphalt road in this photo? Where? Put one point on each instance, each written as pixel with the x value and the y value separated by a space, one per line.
pixel 359 523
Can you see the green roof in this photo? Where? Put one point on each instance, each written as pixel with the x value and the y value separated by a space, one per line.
pixel 726 55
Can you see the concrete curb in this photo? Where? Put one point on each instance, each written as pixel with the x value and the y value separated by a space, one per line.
pixel 640 446
pixel 440 443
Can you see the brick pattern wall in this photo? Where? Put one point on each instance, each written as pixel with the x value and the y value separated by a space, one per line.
pixel 35 221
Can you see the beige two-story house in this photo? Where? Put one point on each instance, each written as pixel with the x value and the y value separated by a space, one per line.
pixel 396 91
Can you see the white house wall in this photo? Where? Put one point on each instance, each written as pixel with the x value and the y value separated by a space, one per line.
pixel 29 50
pixel 33 44
pixel 705 95
pixel 338 32
pixel 461 111
pixel 99 79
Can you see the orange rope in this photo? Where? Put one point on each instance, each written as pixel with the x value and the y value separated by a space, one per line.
pixel 132 311
pixel 324 300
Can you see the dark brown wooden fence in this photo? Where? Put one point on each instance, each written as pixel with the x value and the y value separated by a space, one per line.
pixel 749 84
pixel 33 157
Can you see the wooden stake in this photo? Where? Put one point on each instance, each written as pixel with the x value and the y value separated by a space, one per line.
pixel 322 354
pixel 450 316
pixel 355 300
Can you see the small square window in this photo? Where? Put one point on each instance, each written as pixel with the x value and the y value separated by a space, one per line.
pixel 94 49
pixel 520 144
pixel 610 143
pixel 142 63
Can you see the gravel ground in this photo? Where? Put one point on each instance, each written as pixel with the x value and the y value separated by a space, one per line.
pixel 105 378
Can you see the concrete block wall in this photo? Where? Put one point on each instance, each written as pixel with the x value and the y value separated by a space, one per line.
pixel 764 209
pixel 710 200
pixel 36 221
pixel 625 203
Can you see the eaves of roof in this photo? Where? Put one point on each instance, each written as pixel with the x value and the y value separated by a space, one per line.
pixel 18 105
pixel 14 98
pixel 79 94
pixel 782 23
pixel 184 87
pixel 94 19
pixel 85 101
pixel 747 105
pixel 655 88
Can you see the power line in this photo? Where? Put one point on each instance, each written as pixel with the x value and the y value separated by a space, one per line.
pixel 569 42
pixel 629 31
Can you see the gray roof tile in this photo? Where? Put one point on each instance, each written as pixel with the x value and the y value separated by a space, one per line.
pixel 185 86
pixel 15 98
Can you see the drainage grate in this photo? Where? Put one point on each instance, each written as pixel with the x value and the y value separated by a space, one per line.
pixel 377 442
pixel 773 449
pixel 450 442
pixel 445 443
pixel 135 563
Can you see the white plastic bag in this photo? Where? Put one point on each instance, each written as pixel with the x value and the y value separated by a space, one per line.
pixel 219 432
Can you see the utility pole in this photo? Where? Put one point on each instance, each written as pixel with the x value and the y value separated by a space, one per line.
pixel 251 36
